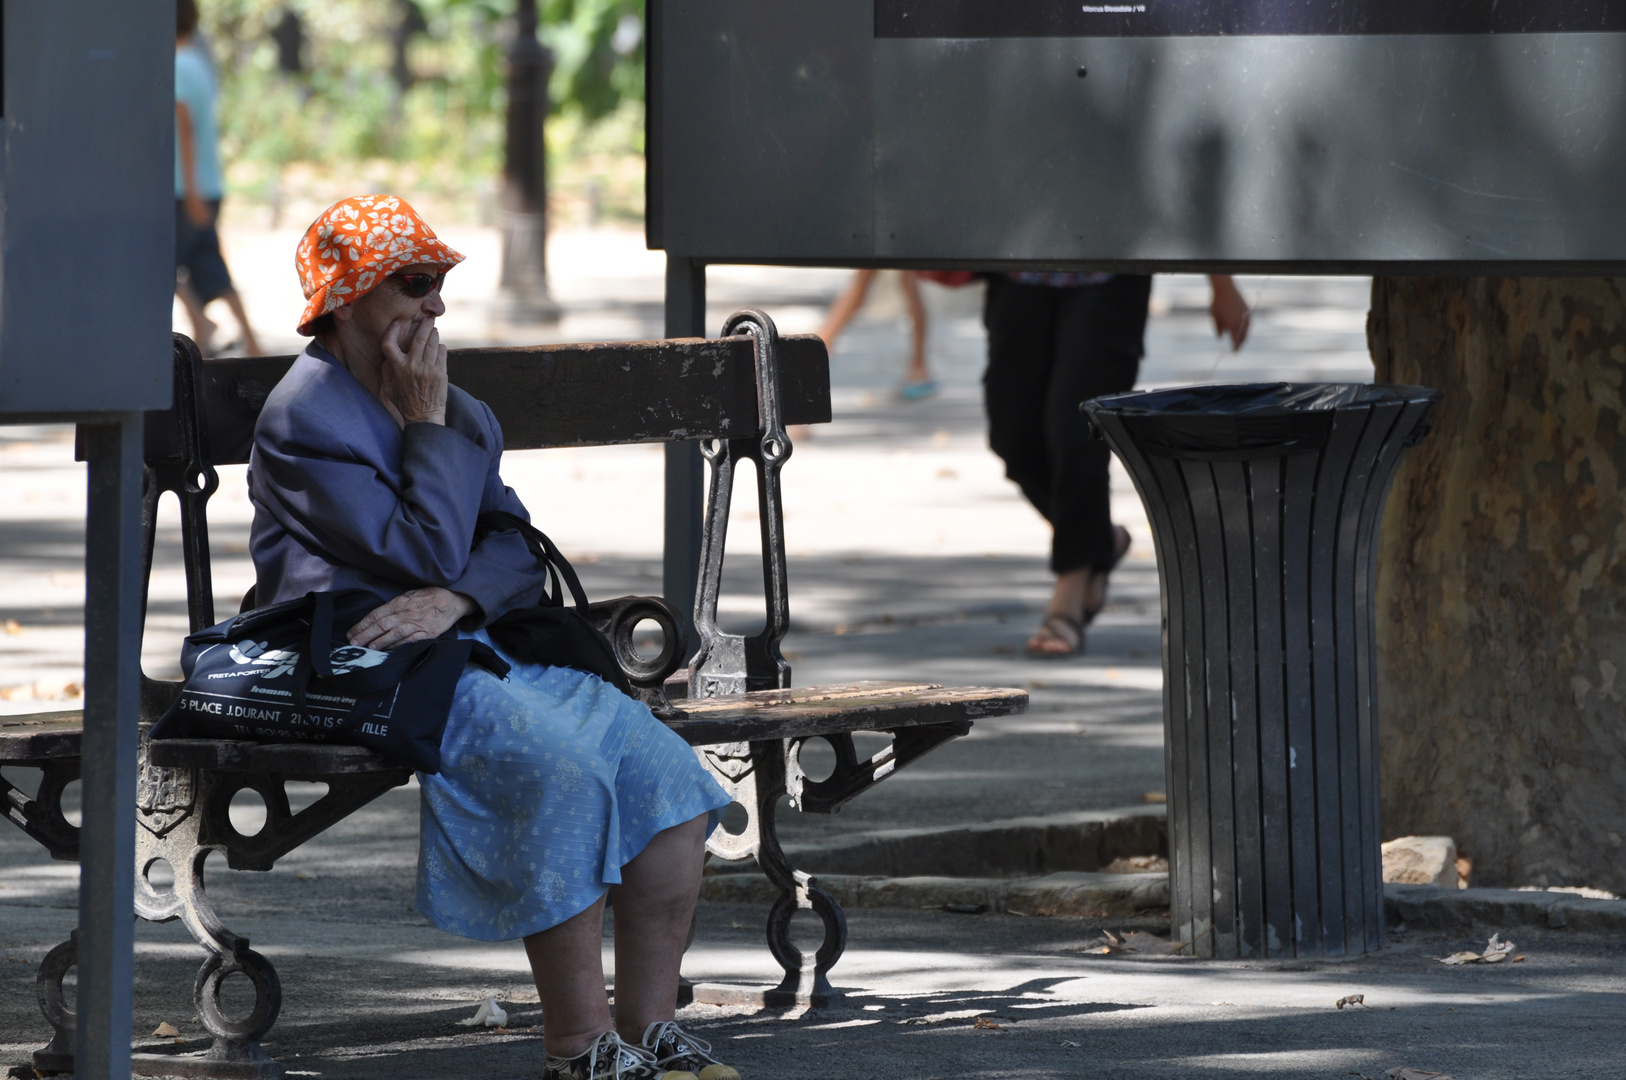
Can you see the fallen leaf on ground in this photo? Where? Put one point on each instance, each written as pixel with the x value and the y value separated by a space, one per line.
pixel 489 1014
pixel 1110 943
pixel 1406 1072
pixel 1351 1001
pixel 1070 1044
pixel 986 1024
pixel 166 1030
pixel 304 875
pixel 1496 950
pixel 1138 941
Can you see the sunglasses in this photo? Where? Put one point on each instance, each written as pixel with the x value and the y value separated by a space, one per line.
pixel 419 286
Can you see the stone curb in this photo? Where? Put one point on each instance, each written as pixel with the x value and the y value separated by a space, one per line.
pixel 1074 893
pixel 1015 847
pixel 1460 909
pixel 1094 894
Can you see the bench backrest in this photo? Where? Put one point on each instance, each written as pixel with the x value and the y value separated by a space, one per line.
pixel 544 396
pixel 547 395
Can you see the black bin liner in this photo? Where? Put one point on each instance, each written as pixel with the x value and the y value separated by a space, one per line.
pixel 1265 502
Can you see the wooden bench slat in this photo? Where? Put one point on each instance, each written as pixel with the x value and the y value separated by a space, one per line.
pixel 814 710
pixel 559 395
pixel 41 736
pixel 283 759
pixel 798 712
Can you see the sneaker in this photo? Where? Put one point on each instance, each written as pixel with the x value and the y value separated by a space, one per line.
pixel 683 1054
pixel 607 1059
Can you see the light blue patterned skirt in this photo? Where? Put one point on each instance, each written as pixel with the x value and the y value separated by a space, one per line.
pixel 550 782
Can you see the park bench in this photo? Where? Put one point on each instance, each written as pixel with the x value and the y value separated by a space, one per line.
pixel 735 704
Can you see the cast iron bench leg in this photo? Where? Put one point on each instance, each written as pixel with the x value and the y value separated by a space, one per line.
pixel 171 816
pixel 753 774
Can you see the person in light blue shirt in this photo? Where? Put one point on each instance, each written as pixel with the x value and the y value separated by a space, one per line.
pixel 199 188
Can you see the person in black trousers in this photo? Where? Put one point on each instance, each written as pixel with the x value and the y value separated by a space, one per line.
pixel 1055 340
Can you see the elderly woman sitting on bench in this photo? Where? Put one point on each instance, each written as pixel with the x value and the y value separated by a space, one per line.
pixel 555 789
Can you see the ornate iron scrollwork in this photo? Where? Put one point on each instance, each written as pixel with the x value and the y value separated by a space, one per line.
pixel 41 816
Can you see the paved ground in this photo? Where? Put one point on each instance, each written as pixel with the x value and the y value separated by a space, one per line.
pixel 910 557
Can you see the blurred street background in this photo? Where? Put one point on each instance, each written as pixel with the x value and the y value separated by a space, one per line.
pixel 910 557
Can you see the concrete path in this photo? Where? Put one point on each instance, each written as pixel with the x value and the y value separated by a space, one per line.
pixel 910 557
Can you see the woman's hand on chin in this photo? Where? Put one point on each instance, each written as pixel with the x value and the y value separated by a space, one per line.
pixel 414 379
pixel 413 616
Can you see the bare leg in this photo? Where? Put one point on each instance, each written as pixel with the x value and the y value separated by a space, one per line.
pixel 567 962
pixel 845 307
pixel 653 907
pixel 250 345
pixel 917 326
pixel 203 330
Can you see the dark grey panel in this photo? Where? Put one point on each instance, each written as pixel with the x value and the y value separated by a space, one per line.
pixel 1342 150
pixel 89 233
pixel 766 125
pixel 793 134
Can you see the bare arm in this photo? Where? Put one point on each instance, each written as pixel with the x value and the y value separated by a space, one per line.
pixel 196 212
pixel 1229 309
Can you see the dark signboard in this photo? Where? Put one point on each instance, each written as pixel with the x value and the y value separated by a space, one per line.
pixel 1278 135
pixel 1214 18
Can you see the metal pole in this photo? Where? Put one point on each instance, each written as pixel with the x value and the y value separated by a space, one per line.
pixel 685 477
pixel 524 281
pixel 112 700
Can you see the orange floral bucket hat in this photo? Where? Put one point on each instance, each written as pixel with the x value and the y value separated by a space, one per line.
pixel 357 243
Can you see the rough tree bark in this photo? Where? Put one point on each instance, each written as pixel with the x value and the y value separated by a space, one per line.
pixel 1502 589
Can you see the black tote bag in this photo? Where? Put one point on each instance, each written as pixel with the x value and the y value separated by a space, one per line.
pixel 287 673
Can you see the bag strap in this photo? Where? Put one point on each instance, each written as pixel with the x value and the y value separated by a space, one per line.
pixel 558 567
pixel 320 644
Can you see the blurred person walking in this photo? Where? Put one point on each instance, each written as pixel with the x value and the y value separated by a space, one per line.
pixel 917 379
pixel 199 188
pixel 1055 340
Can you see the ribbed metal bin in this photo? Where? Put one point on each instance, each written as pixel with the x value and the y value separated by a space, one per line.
pixel 1264 502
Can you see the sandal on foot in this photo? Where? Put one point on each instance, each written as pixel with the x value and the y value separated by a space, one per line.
pixel 916 389
pixel 1062 628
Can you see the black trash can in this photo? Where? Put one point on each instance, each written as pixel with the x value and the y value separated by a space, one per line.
pixel 1264 502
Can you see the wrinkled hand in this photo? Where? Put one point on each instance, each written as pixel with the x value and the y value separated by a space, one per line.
pixel 413 616
pixel 414 379
pixel 1230 311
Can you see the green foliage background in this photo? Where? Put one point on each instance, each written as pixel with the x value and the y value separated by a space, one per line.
pixel 345 107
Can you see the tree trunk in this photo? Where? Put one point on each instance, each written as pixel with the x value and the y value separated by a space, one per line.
pixel 1502 589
